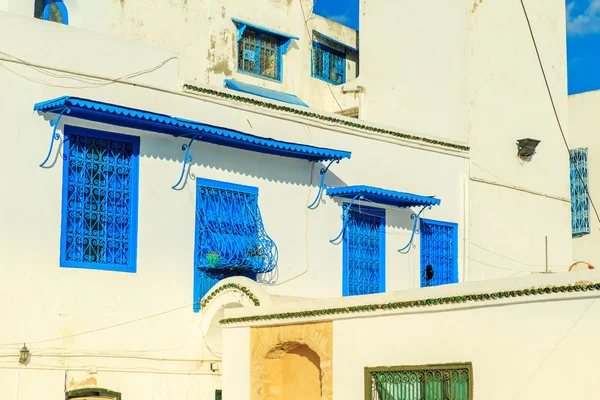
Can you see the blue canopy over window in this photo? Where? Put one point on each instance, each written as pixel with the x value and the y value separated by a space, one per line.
pixel 264 92
pixel 383 196
pixel 285 38
pixel 320 35
pixel 144 120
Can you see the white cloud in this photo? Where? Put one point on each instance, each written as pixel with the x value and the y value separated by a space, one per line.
pixel 342 18
pixel 585 23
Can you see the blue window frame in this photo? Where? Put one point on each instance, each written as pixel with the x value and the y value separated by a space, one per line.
pixel 260 53
pixel 580 202
pixel 439 252
pixel 328 64
pixel 99 200
pixel 51 10
pixel 364 251
pixel 230 239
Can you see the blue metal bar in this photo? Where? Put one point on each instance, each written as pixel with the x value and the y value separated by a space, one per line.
pixel 414 229
pixel 322 183
pixel 345 215
pixel 186 160
pixel 55 136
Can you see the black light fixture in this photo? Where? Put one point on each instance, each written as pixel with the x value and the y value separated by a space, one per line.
pixel 428 273
pixel 527 147
pixel 24 354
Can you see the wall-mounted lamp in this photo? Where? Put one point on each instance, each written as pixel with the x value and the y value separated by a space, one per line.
pixel 24 354
pixel 527 147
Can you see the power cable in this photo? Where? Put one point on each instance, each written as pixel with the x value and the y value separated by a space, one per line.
pixel 554 108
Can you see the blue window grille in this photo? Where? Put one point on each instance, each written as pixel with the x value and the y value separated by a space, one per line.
pixel 328 64
pixel 580 202
pixel 51 10
pixel 230 237
pixel 99 200
pixel 439 253
pixel 259 53
pixel 364 251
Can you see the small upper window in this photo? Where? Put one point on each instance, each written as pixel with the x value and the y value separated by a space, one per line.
pixel 259 53
pixel 51 10
pixel 328 64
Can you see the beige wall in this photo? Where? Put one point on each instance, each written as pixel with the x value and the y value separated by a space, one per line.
pixel 584 125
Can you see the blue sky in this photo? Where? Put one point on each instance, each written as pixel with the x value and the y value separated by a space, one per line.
pixel 583 36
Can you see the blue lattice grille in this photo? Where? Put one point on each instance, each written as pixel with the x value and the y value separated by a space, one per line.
pixel 580 203
pixel 364 252
pixel 260 54
pixel 99 200
pixel 230 236
pixel 439 252
pixel 328 64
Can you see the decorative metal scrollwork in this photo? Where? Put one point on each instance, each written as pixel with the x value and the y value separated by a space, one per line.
pixel 55 136
pixel 414 217
pixel 323 172
pixel 345 215
pixel 187 158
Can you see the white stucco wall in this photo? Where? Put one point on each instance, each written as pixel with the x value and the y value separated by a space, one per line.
pixel 530 347
pixel 584 123
pixel 205 37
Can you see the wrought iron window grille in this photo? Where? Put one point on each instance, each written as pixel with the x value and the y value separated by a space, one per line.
pixel 100 190
pixel 260 54
pixel 436 382
pixel 328 64
pixel 230 236
pixel 439 253
pixel 580 202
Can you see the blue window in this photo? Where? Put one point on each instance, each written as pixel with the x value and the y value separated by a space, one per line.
pixel 230 237
pixel 51 10
pixel 439 253
pixel 580 202
pixel 99 200
pixel 259 53
pixel 328 64
pixel 364 251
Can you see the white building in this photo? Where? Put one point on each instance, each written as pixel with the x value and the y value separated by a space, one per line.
pixel 105 259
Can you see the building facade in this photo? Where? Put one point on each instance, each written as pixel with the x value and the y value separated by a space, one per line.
pixel 134 181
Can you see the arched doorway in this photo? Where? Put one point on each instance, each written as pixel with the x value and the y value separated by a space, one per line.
pixel 292 371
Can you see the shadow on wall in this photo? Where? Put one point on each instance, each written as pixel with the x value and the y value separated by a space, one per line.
pixel 242 162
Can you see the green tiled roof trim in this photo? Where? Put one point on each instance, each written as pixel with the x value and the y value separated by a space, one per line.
pixel 228 286
pixel 324 118
pixel 469 298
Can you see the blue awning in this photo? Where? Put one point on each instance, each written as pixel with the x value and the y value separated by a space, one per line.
pixel 144 120
pixel 242 25
pixel 264 92
pixel 383 196
pixel 332 40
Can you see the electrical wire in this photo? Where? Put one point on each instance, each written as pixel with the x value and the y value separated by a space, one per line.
pixel 554 107
pixel 92 82
pixel 310 49
pixel 103 328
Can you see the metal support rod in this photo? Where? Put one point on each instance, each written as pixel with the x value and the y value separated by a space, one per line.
pixel 187 158
pixel 55 136
pixel 322 183
pixel 345 215
pixel 414 229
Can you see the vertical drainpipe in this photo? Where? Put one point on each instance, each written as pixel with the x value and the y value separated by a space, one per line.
pixel 17 385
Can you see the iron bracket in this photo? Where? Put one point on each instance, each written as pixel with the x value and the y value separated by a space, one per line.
pixel 187 158
pixel 345 215
pixel 55 136
pixel 323 172
pixel 414 217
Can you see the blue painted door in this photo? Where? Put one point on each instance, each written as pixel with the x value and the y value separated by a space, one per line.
pixel 439 253
pixel 364 252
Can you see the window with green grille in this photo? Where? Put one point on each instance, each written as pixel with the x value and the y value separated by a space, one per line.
pixel 580 202
pixel 328 64
pixel 436 382
pixel 259 53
